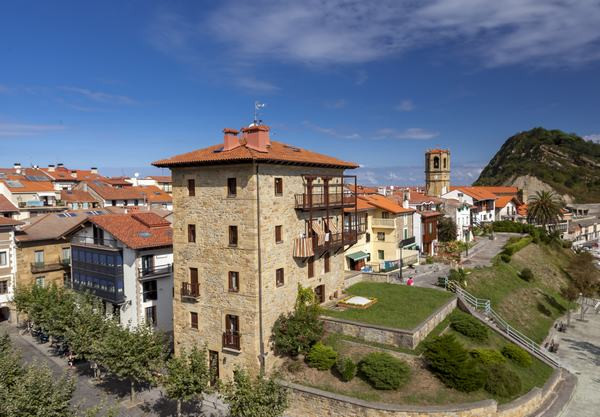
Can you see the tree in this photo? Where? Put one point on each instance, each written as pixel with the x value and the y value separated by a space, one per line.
pixel 258 397
pixel 87 328
pixel 136 354
pixel 584 278
pixel 297 331
pixel 544 208
pixel 446 230
pixel 187 376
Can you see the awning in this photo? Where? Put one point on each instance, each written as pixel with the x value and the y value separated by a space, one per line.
pixel 320 231
pixel 411 246
pixel 303 247
pixel 357 256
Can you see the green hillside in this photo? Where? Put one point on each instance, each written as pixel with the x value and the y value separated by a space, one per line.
pixel 564 161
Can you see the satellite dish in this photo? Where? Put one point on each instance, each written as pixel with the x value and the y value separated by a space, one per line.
pixel 137 174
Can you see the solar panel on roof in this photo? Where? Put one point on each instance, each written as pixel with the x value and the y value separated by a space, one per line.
pixel 36 178
pixel 144 234
pixel 67 215
pixel 14 184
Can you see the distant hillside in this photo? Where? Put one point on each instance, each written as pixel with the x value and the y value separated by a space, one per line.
pixel 547 159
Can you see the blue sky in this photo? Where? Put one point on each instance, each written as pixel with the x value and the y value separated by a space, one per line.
pixel 119 84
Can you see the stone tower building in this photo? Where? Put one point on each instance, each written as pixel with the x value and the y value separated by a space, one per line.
pixel 437 172
pixel 253 218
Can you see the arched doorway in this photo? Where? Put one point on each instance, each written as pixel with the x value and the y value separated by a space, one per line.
pixel 4 314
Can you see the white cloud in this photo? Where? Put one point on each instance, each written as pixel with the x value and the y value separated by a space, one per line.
pixel 405 105
pixel 253 84
pixel 331 131
pixel 18 129
pixel 336 104
pixel 535 32
pixel 414 133
pixel 594 137
pixel 99 96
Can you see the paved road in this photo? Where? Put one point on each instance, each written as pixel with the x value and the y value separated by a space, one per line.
pixel 110 392
pixel 579 351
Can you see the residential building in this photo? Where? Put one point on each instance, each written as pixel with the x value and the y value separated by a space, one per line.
pixel 7 208
pixel 63 178
pixel 437 172
pixel 31 191
pixel 253 218
pixel 506 207
pixel 583 230
pixel 388 236
pixel 460 213
pixel 429 231
pixel 78 199
pixel 129 196
pixel 482 202
pixel 417 200
pixel 127 261
pixel 8 267
pixel 163 182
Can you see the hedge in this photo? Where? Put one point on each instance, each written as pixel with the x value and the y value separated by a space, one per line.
pixel 321 356
pixel 514 247
pixel 518 355
pixel 468 325
pixel 488 356
pixel 383 371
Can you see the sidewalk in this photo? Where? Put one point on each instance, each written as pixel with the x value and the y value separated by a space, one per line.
pixel 109 391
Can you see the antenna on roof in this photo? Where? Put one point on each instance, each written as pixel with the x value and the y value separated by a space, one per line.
pixel 257 107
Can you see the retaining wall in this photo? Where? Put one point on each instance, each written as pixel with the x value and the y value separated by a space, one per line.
pixel 387 335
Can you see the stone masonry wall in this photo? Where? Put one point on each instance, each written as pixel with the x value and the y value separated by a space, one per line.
pixel 387 335
pixel 212 211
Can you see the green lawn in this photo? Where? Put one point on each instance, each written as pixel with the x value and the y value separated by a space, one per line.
pixel 397 306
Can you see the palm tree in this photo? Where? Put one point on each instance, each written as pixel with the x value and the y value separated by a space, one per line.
pixel 544 208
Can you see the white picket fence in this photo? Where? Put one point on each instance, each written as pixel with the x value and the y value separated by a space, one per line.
pixel 484 306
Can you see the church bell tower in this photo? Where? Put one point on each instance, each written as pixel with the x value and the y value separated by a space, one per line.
pixel 437 172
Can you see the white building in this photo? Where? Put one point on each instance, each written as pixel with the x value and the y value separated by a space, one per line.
pixel 482 202
pixel 8 266
pixel 127 261
pixel 460 213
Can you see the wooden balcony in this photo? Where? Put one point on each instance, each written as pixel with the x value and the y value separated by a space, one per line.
pixel 190 290
pixel 231 340
pixel 337 240
pixel 322 201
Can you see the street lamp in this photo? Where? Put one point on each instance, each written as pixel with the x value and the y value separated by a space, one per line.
pixel 466 229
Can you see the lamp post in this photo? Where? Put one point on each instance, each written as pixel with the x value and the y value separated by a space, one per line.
pixel 466 230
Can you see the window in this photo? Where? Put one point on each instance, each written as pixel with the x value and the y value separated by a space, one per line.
pixel 320 293
pixel 191 186
pixel 149 290
pixel 3 287
pixel 66 255
pixel 444 161
pixel 234 281
pixel 381 254
pixel 278 235
pixel 405 233
pixel 367 237
pixel 279 277
pixel 278 186
pixel 231 187
pixel 311 267
pixel 191 233
pixel 194 320
pixel 381 236
pixel 233 236
pixel 385 215
pixel 151 315
pixel 39 257
pixel 231 337
pixel 436 162
pixel 3 258
pixel 113 203
pixel 39 281
pixel 326 266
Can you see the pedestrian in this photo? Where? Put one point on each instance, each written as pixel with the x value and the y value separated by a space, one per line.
pixel 410 282
pixel 71 358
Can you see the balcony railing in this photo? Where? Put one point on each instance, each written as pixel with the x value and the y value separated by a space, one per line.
pixel 37 267
pixel 190 290
pixel 155 271
pixel 336 240
pixel 95 241
pixel 387 223
pixel 107 293
pixel 231 340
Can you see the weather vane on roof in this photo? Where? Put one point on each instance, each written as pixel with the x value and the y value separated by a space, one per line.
pixel 257 107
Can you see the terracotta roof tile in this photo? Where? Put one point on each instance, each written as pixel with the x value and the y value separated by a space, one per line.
pixel 108 192
pixel 161 178
pixel 7 221
pixel 134 231
pixel 385 203
pixel 6 206
pixel 478 193
pixel 154 194
pixel 76 196
pixel 277 152
pixel 502 201
pixel 26 186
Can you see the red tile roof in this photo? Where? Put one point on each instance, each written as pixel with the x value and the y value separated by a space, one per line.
pixel 7 221
pixel 438 150
pixel 430 213
pixel 277 153
pixel 118 181
pixel 6 206
pixel 361 189
pixel 385 203
pixel 161 178
pixel 76 196
pixel 71 175
pixel 154 194
pixel 361 205
pixel 477 193
pixel 502 201
pixel 108 192
pixel 137 230
pixel 26 185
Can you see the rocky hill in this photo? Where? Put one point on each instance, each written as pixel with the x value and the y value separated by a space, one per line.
pixel 541 159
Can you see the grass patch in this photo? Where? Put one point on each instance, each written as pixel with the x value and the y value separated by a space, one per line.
pixel 531 307
pixel 398 306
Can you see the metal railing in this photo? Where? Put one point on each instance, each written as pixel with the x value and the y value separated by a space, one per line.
pixel 37 267
pixel 484 305
pixel 155 270
pixel 231 340
pixel 189 289
pixel 95 241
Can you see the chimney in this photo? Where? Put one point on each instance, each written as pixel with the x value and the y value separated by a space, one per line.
pixel 406 195
pixel 74 174
pixel 17 165
pixel 257 137
pixel 60 165
pixel 230 139
pixel 405 204
pixel 94 170
pixel 50 168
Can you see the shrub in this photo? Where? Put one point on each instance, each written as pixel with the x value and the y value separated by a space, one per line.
pixel 487 356
pixel 321 356
pixel 469 326
pixel 294 366
pixel 383 371
pixel 451 363
pixel 518 355
pixel 501 381
pixel 346 368
pixel 567 244
pixel 526 274
pixel 504 257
